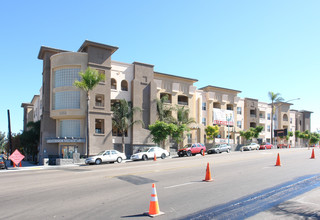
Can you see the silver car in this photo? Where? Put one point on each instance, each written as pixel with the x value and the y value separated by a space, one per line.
pixel 106 156
pixel 149 153
pixel 219 149
pixel 252 146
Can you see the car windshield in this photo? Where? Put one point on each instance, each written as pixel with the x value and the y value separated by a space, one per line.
pixel 100 153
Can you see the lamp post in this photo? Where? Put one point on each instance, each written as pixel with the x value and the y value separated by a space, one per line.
pixel 272 129
pixel 228 124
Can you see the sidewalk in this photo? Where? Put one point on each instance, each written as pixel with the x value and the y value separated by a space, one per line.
pixel 304 206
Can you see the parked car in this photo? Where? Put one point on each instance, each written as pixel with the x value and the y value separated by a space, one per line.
pixel 266 146
pixel 3 163
pixel 252 146
pixel 106 156
pixel 149 153
pixel 192 149
pixel 282 145
pixel 219 149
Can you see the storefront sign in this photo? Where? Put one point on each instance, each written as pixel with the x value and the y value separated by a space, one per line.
pixel 66 140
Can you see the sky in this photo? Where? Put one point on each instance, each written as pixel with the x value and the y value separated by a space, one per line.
pixel 247 45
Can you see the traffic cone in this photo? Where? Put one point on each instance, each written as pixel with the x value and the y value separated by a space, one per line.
pixel 202 153
pixel 312 154
pixel 278 161
pixel 14 165
pixel 20 164
pixel 155 157
pixel 154 206
pixel 208 174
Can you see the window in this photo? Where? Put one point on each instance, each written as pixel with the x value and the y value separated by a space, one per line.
pixel 239 110
pixel 268 116
pixel 168 96
pixel 253 113
pixel 99 126
pixel 261 115
pixel 124 85
pixel 70 128
pixel 102 72
pixel 285 117
pixel 204 106
pixel 252 125
pixel 182 100
pixel 113 83
pixel 66 100
pixel 229 107
pixel 99 100
pixel 65 77
pixel 290 120
pixel 216 105
pixel 239 124
pixel 204 121
pixel 268 128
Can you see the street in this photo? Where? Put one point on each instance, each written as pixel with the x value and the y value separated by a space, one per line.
pixel 123 191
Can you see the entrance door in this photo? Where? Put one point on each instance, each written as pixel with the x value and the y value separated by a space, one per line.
pixel 68 150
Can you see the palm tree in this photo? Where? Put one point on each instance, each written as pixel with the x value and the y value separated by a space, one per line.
pixel 182 121
pixel 89 80
pixel 122 118
pixel 274 97
pixel 164 112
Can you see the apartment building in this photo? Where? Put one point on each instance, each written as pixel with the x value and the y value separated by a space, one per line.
pixel 61 107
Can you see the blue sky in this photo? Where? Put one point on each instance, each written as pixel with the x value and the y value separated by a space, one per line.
pixel 247 45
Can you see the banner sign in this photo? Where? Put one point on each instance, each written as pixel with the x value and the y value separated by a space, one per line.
pixel 223 117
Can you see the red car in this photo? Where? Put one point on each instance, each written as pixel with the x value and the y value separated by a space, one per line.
pixel 282 146
pixel 192 149
pixel 266 146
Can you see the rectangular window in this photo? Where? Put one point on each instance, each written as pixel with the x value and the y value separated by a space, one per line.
pixel 239 124
pixel 269 116
pixel 239 110
pixel 268 128
pixel 99 101
pixel 204 106
pixel 204 121
pixel 70 128
pixel 99 126
pixel 66 77
pixel 290 120
pixel 66 100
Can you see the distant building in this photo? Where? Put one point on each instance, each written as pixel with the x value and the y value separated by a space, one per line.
pixel 61 107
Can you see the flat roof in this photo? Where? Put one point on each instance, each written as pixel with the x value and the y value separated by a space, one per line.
pixel 180 77
pixel 216 87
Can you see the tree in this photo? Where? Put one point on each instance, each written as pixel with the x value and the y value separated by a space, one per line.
pixel 251 133
pixel 160 131
pixel 274 97
pixel 164 111
pixel 89 80
pixel 290 134
pixel 212 132
pixel 182 122
pixel 122 118
pixel 30 139
pixel 2 141
pixel 314 138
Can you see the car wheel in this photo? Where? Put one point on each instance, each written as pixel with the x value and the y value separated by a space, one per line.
pixel 163 156
pixel 228 151
pixel 98 161
pixel 144 157
pixel 217 151
pixel 119 159
pixel 189 153
pixel 201 152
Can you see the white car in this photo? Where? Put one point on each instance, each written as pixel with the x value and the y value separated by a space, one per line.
pixel 252 146
pixel 106 156
pixel 149 153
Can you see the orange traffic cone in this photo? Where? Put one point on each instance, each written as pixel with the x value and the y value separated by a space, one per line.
pixel 20 164
pixel 202 153
pixel 14 165
pixel 278 161
pixel 312 154
pixel 155 157
pixel 154 206
pixel 208 174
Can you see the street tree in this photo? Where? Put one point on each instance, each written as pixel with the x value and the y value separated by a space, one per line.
pixel 122 118
pixel 30 139
pixel 89 80
pixel 314 138
pixel 251 133
pixel 160 131
pixel 2 141
pixel 274 97
pixel 212 132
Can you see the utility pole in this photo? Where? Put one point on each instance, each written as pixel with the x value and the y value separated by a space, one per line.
pixel 9 135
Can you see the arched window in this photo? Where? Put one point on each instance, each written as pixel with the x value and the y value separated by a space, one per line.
pixel 182 100
pixel 124 85
pixel 113 83
pixel 168 95
pixel 285 117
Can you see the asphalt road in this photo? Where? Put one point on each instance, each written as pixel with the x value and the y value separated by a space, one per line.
pixel 123 191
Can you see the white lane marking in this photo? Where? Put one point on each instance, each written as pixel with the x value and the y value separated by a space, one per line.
pixel 184 184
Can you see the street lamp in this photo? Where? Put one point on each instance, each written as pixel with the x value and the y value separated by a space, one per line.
pixel 228 120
